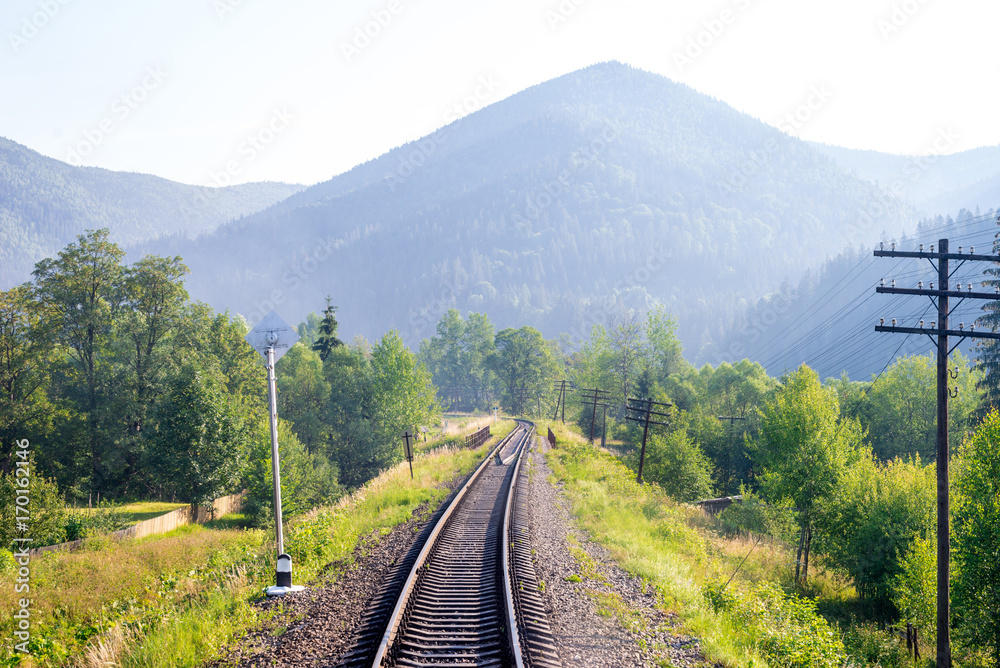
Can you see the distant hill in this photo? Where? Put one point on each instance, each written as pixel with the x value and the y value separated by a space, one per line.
pixel 932 184
pixel 45 204
pixel 609 187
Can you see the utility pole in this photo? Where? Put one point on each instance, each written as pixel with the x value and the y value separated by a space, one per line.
pixel 596 398
pixel 729 451
pixel 939 334
pixel 643 409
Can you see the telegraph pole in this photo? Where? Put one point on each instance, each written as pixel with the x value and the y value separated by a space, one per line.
pixel 729 451
pixel 597 398
pixel 939 334
pixel 643 409
pixel 560 387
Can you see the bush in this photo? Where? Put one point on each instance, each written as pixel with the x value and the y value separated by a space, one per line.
pixel 46 511
pixel 868 523
pixel 307 480
pixel 755 516
pixel 867 645
pixel 677 465
pixel 914 589
pixel 784 627
pixel 86 524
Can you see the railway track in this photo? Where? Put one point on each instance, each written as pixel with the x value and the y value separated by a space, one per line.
pixel 466 594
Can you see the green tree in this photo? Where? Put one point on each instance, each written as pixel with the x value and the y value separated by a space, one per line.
pixel 25 356
pixel 871 519
pixel 304 397
pixel 326 338
pixel 914 590
pixel 675 463
pixel 976 536
pixel 402 394
pixel 203 439
pixel 82 289
pixel 900 414
pixel 523 362
pixel 804 450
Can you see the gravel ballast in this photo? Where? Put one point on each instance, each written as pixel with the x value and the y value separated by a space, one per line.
pixel 600 616
pixel 582 582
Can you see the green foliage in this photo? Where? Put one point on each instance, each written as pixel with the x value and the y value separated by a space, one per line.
pixel 676 464
pixel 326 335
pixel 304 396
pixel 307 480
pixel 900 414
pixel 525 365
pixel 457 359
pixel 784 627
pixel 914 588
pixel 976 537
pixel 46 518
pixel 867 645
pixel 90 523
pixel 752 515
pixel 203 438
pixel 869 522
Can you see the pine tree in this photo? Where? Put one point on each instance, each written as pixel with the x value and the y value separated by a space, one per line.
pixel 989 355
pixel 327 339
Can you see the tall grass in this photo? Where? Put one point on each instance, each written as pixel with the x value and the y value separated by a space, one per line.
pixel 728 591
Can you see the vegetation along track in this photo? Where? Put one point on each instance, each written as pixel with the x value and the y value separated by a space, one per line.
pixel 463 596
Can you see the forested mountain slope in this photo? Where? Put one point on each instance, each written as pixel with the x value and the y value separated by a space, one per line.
pixel 604 188
pixel 45 204
pixel 827 320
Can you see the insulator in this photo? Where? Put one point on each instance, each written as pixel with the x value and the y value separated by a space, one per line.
pixel 972 327
pixel 970 287
pixel 921 323
pixel 892 246
pixel 961 326
pixel 893 282
pixel 932 248
pixel 881 283
pixel 932 324
pixel 881 321
pixel 958 286
pixel 881 245
pixel 920 284
pixel 972 249
pixel 932 285
pixel 921 248
pixel 959 249
pixel 893 322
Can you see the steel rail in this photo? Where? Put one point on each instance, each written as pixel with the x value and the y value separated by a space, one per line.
pixel 392 626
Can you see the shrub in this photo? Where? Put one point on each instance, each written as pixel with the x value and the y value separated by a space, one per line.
pixel 85 524
pixel 46 511
pixel 867 645
pixel 755 516
pixel 914 589
pixel 783 627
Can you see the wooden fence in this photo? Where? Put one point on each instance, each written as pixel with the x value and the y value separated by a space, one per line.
pixel 475 439
pixel 162 523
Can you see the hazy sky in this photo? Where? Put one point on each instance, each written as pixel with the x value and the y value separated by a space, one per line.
pixel 210 91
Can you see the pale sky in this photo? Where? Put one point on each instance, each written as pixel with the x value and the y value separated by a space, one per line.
pixel 213 91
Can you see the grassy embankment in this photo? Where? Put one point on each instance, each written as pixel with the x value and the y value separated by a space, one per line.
pixel 755 620
pixel 178 599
